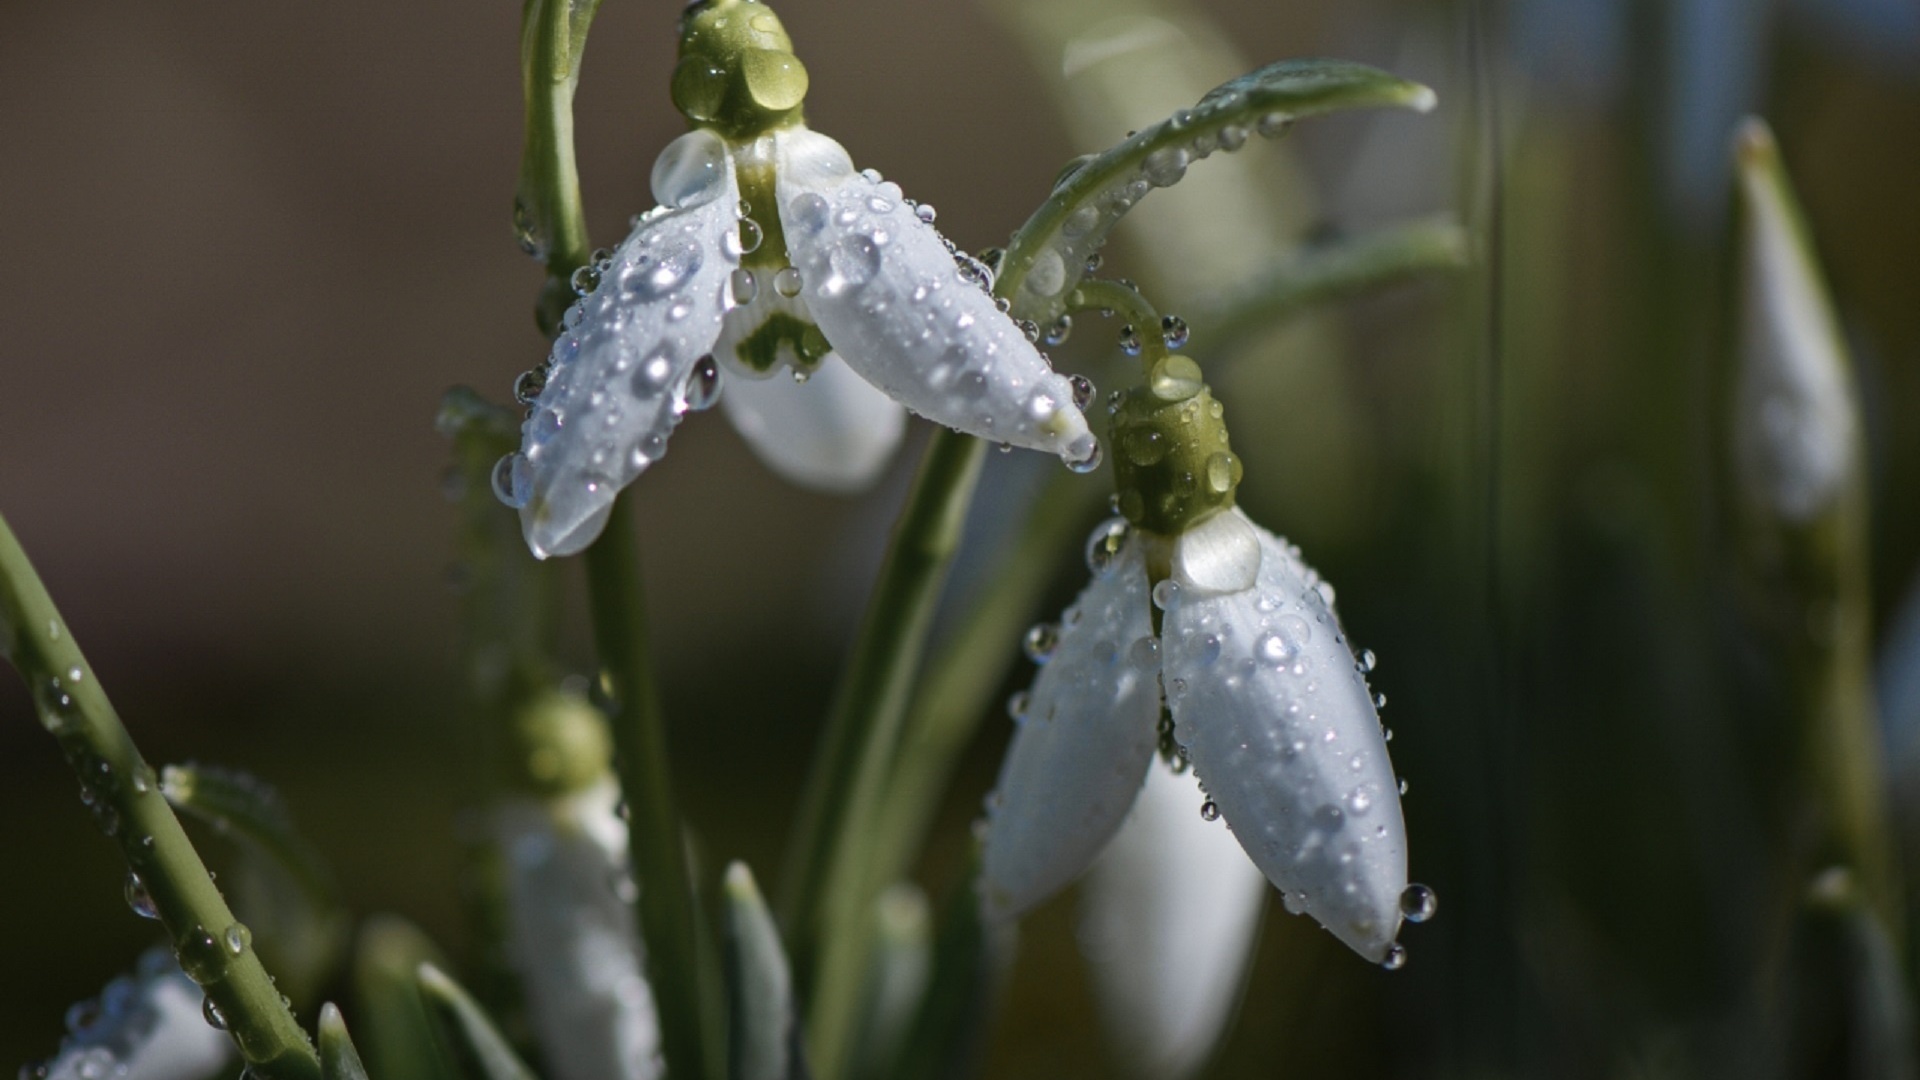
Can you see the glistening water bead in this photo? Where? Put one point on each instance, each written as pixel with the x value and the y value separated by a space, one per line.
pixel 1418 903
pixel 139 899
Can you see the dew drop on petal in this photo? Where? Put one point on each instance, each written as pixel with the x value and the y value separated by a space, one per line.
pixel 1105 543
pixel 702 386
pixel 1017 705
pixel 1367 661
pixel 513 480
pixel 1082 391
pixel 1145 652
pixel 744 285
pixel 1418 903
pixel 787 282
pixel 1164 592
pixel 528 386
pixel 1041 640
pixel 1083 455
pixel 1210 810
pixel 659 270
pixel 690 171
pixel 1396 957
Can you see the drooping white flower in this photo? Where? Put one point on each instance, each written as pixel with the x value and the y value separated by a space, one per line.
pixel 571 934
pixel 769 252
pixel 1169 916
pixel 149 1025
pixel 1266 697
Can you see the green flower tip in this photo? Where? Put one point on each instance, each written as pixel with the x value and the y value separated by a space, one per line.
pixel 562 743
pixel 737 72
pixel 1172 465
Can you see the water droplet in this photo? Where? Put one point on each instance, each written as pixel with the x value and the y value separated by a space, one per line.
pixel 660 270
pixel 1403 785
pixel 1041 640
pixel 139 899
pixel 1210 810
pixel 1295 903
pixel 925 212
pixel 1396 957
pixel 852 263
pixel 1274 648
pixel 1418 903
pixel 1145 652
pixel 1105 543
pixel 528 386
pixel 1165 166
pixel 585 279
pixel 691 170
pixel 1367 662
pixel 1221 470
pixel 702 386
pixel 1233 137
pixel 237 938
pixel 513 480
pixel 1379 701
pixel 1173 330
pixel 523 231
pixel 1275 124
pixel 1082 390
pixel 200 956
pixel 1083 454
pixel 1177 688
pixel 1164 593
pixel 786 282
pixel 1359 802
pixel 745 286
pixel 1079 223
pixel 1017 704
pixel 1129 340
pixel 1057 333
pixel 212 1012
pixel 748 239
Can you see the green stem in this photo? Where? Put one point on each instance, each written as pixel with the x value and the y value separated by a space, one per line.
pixel 1123 299
pixel 828 898
pixel 127 805
pixel 679 963
pixel 546 209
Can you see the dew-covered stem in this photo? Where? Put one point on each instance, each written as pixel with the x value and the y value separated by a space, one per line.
pixel 827 902
pixel 168 882
pixel 548 219
pixel 1143 333
pixel 681 967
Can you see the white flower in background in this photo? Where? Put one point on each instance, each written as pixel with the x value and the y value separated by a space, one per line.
pixel 769 252
pixel 1266 697
pixel 147 1026
pixel 1170 913
pixel 569 891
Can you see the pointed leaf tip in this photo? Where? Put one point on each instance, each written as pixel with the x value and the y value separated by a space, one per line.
pixel 466 1032
pixel 338 1058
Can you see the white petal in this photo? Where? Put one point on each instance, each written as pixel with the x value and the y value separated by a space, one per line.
pixel 1219 555
pixel 1170 915
pixel 1273 710
pixel 571 935
pixel 883 287
pixel 834 432
pixel 1089 729
pixel 147 1025
pixel 625 369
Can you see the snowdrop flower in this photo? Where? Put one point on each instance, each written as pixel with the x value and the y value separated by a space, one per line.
pixel 1266 699
pixel 769 252
pixel 1169 917
pixel 149 1025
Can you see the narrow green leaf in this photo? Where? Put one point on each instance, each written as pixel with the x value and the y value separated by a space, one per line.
pixel 338 1059
pixel 763 1034
pixel 1314 275
pixel 121 790
pixel 396 1030
pixel 1047 257
pixel 1799 457
pixel 243 806
pixel 1849 1011
pixel 896 979
pixel 969 961
pixel 547 217
pixel 466 1034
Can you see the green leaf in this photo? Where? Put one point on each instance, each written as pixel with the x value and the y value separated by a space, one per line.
pixel 763 1034
pixel 1047 257
pixel 896 978
pixel 396 1029
pixel 243 806
pixel 948 1035
pixel 466 1034
pixel 338 1059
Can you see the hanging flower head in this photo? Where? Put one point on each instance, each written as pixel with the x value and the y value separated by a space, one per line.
pixel 1193 605
pixel 770 252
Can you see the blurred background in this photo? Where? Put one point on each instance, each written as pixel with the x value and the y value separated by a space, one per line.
pixel 253 244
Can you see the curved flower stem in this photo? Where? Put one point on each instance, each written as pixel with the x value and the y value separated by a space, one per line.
pixel 125 798
pixel 680 962
pixel 828 898
pixel 1125 300
pixel 547 217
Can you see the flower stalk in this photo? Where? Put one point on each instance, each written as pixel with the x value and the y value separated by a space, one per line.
pixel 123 792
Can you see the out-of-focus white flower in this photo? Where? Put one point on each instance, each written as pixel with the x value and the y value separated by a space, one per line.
pixel 146 1026
pixel 571 934
pixel 769 252
pixel 1169 915
pixel 1796 428
pixel 1267 699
